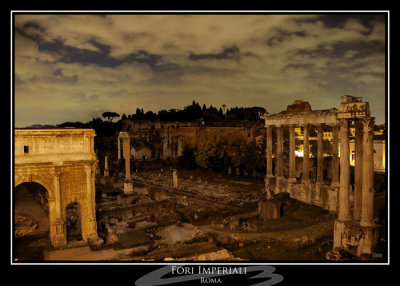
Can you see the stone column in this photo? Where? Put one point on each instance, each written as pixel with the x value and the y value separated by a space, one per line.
pixel 279 160
pixel 367 200
pixel 269 151
pixel 175 178
pixel 306 152
pixel 60 236
pixel 128 186
pixel 358 170
pixel 335 157
pixel 269 163
pixel 292 154
pixel 344 191
pixel 91 231
pixel 119 148
pixel 89 191
pixel 279 151
pixel 106 172
pixel 127 158
pixel 57 194
pixel 320 155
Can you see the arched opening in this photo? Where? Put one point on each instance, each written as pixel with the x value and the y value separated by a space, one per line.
pixel 31 222
pixel 73 222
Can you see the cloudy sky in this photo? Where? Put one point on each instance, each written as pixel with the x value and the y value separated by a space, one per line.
pixel 74 67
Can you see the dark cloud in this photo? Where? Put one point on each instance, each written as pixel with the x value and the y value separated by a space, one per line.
pixel 101 57
pixel 282 35
pixel 58 72
pixel 363 48
pixel 340 20
pixel 319 51
pixel 228 53
pixel 338 49
pixel 31 30
pixel 143 57
pixel 298 66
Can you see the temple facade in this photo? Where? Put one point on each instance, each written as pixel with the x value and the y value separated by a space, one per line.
pixel 354 229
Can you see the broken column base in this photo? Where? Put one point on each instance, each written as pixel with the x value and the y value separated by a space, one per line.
pixel 279 184
pixel 269 190
pixel 306 193
pixel 290 184
pixel 59 241
pixel 95 241
pixel 355 239
pixel 317 194
pixel 128 186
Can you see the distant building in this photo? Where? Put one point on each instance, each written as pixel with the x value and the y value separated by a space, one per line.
pixel 140 152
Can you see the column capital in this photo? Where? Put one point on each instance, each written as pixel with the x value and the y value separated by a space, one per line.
pixel 334 125
pixel 89 168
pixel 368 124
pixel 359 126
pixel 57 171
pixel 94 164
pixel 344 123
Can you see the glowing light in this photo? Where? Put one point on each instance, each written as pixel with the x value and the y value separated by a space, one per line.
pixel 299 153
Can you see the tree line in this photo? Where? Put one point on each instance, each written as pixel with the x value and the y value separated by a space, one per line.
pixel 197 113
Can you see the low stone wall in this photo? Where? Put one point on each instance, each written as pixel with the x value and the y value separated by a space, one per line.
pixel 324 196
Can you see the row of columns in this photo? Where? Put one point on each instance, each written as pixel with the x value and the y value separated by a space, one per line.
pixel 363 188
pixel 363 176
pixel 306 153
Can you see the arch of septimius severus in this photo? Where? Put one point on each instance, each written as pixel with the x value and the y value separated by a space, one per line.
pixel 354 229
pixel 63 161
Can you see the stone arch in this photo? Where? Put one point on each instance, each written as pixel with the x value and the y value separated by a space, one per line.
pixel 35 179
pixel 46 179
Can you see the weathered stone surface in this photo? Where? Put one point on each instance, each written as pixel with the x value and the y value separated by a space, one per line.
pixel 299 105
pixel 63 161
pixel 23 226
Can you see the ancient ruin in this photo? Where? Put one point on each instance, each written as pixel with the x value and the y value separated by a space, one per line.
pixel 141 204
pixel 63 162
pixel 354 231
pixel 126 147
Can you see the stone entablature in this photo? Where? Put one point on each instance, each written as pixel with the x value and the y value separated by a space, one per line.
pixel 285 118
pixel 53 145
pixel 63 161
pixel 353 107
